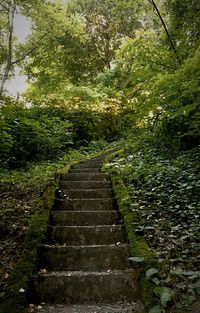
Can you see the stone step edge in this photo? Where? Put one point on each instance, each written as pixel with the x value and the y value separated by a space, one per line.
pixel 120 245
pixel 84 181
pixel 86 189
pixel 84 199
pixel 85 273
pixel 94 173
pixel 85 169
pixel 88 226
pixel 89 211
pixel 100 307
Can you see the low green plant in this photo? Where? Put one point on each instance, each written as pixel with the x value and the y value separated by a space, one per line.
pixel 165 207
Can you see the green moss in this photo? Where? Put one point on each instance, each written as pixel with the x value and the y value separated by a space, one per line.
pixel 147 292
pixel 138 245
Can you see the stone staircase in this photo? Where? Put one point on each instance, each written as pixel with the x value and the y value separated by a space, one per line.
pixel 85 263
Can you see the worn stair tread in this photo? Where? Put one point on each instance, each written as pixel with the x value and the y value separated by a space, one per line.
pixel 98 257
pixel 57 246
pixel 89 199
pixel 91 212
pixel 89 226
pixel 93 184
pixel 84 176
pixel 87 286
pixel 85 235
pixel 84 204
pixel 86 189
pixel 93 164
pixel 86 193
pixel 92 308
pixel 84 170
pixel 106 217
pixel 86 273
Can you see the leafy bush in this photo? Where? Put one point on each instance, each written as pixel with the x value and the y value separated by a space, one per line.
pixel 42 133
pixel 27 136
pixel 6 141
pixel 174 102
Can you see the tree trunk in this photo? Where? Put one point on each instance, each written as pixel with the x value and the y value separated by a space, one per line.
pixel 11 16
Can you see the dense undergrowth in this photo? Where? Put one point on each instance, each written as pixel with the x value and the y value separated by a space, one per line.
pixel 165 197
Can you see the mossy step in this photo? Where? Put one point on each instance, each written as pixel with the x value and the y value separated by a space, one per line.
pixel 87 258
pixel 83 287
pixel 130 307
pixel 86 193
pixel 85 184
pixel 98 204
pixel 84 176
pixel 84 218
pixel 84 170
pixel 93 164
pixel 87 235
pixel 96 159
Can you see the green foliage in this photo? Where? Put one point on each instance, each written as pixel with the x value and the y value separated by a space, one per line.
pixel 27 136
pixel 165 103
pixel 176 97
pixel 6 141
pixel 185 22
pixel 164 210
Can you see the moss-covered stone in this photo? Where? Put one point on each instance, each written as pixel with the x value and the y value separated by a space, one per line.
pixel 138 245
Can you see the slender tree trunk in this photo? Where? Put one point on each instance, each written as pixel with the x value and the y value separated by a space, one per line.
pixel 11 16
pixel 166 30
pixel 107 53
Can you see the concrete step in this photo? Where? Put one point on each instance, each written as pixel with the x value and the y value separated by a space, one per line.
pixel 87 258
pixel 84 170
pixel 96 159
pixel 87 235
pixel 98 204
pixel 84 176
pixel 93 164
pixel 83 287
pixel 131 307
pixel 85 184
pixel 85 193
pixel 84 218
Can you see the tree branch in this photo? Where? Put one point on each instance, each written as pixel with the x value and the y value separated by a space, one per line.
pixel 166 30
pixel 28 52
pixel 163 65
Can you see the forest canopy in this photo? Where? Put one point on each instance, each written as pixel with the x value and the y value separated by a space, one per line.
pixel 100 69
